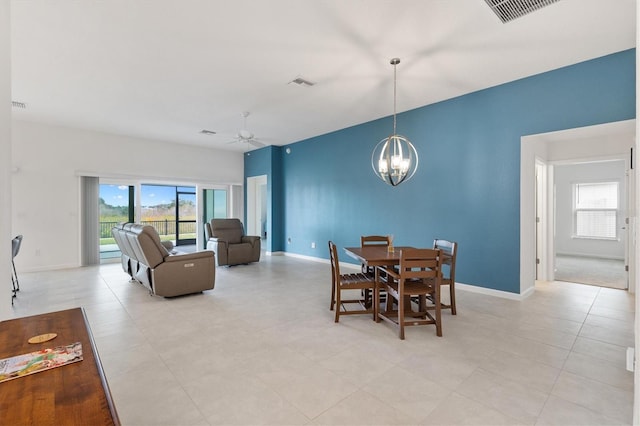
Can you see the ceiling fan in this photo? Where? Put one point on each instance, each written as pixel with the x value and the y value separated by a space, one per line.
pixel 246 136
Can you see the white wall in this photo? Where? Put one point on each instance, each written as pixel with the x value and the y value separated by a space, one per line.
pixel 50 159
pixel 565 176
pixel 5 160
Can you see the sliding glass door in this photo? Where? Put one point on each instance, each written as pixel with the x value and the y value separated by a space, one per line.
pixel 216 206
pixel 116 204
pixel 171 210
pixel 185 215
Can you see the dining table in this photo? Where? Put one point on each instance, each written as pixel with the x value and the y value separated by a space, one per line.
pixel 376 255
pixel 379 257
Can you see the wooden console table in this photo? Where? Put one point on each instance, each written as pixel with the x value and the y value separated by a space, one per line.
pixel 74 394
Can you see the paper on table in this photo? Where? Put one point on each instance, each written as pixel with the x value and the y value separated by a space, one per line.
pixel 34 362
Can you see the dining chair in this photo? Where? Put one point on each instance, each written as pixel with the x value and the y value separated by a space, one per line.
pixel 15 249
pixel 418 275
pixel 449 249
pixel 342 282
pixel 372 240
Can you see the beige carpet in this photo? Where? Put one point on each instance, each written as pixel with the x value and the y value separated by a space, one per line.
pixel 594 271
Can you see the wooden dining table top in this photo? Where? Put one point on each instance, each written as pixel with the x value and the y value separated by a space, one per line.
pixel 380 255
pixel 376 255
pixel 73 394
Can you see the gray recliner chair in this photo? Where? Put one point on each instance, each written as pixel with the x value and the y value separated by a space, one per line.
pixel 165 273
pixel 226 238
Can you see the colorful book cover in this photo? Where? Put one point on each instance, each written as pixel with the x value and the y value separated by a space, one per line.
pixel 34 362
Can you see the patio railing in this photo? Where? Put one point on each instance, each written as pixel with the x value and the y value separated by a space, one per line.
pixel 164 227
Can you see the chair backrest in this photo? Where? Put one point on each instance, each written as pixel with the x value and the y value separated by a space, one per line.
pixel 335 264
pixel 449 250
pixel 420 264
pixel 207 230
pixel 375 240
pixel 15 245
pixel 146 244
pixel 229 230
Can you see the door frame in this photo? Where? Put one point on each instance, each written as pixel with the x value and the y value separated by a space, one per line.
pixel 257 208
pixel 557 146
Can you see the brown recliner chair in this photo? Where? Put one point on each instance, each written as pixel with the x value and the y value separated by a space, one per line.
pixel 226 238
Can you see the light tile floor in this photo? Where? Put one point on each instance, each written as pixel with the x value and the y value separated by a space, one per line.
pixel 262 348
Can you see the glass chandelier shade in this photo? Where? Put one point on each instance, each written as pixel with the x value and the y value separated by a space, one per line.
pixel 394 159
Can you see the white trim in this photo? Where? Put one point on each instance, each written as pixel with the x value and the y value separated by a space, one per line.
pixel 495 293
pixel 53 267
pixel 152 179
pixel 321 260
pixel 311 258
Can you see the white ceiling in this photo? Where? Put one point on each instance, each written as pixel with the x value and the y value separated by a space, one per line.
pixel 166 69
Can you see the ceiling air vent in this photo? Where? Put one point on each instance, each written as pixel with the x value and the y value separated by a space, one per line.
pixel 508 10
pixel 16 104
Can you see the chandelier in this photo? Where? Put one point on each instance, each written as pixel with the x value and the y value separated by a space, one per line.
pixel 394 159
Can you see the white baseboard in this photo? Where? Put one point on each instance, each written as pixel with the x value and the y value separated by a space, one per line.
pixel 311 258
pixel 496 293
pixel 51 268
pixel 460 286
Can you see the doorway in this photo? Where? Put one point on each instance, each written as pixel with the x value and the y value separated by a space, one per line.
pixel 257 218
pixel 116 204
pixel 590 211
pixel 185 215
pixel 606 142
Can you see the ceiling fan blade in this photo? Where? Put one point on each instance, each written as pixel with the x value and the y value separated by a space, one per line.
pixel 256 143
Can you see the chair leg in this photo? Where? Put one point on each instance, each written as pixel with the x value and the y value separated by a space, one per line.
pixel 401 306
pixel 376 302
pixel 438 313
pixel 13 289
pixel 452 292
pixel 17 284
pixel 333 296
pixel 367 297
pixel 338 304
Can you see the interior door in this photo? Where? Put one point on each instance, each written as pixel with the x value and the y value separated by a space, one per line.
pixel 629 225
pixel 257 211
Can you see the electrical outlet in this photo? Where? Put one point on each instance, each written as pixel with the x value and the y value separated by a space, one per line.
pixel 313 245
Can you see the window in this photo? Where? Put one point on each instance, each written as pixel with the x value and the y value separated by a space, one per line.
pixel 596 210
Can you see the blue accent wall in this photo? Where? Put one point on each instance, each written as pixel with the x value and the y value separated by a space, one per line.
pixel 467 187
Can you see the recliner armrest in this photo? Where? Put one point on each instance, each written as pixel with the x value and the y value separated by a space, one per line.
pixel 220 247
pixel 185 257
pixel 251 239
pixel 218 242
